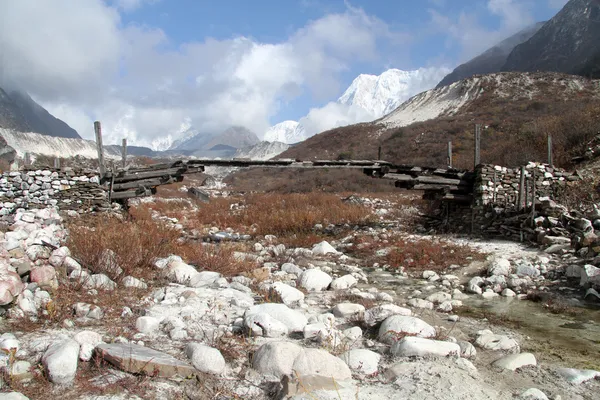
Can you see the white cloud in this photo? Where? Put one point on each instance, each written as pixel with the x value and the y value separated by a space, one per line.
pixel 473 37
pixel 131 5
pixel 142 86
pixel 556 4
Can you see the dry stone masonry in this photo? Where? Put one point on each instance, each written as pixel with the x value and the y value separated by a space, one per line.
pixel 67 189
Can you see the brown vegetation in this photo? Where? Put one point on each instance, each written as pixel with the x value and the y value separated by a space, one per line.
pixel 415 254
pixel 514 131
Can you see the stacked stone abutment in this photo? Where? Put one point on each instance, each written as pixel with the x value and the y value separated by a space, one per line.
pixel 502 202
pixel 67 189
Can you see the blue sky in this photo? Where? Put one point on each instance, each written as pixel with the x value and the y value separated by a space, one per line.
pixel 153 68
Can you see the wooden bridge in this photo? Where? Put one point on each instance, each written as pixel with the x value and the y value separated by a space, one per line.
pixel 445 184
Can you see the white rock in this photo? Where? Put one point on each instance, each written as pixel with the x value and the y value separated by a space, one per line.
pixel 88 340
pixel 439 297
pixel 180 272
pixel 415 346
pixel 508 293
pixel 204 278
pixel 467 350
pixel 515 361
pixel 292 319
pixel 400 325
pixel 315 280
pixel 60 361
pixel 205 359
pixel 420 303
pixel 533 394
pixel 352 334
pixel 9 342
pixel 289 295
pixel 276 358
pixel 343 282
pixel 499 266
pixel 147 325
pixel 379 313
pixel 321 363
pixel 13 396
pixel 131 282
pixel 262 324
pixel 362 361
pixel 323 248
pixel 291 269
pixel 474 285
pixel 313 331
pixel 348 310
pixel 490 341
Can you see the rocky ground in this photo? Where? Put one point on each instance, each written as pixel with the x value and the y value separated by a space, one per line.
pixel 355 315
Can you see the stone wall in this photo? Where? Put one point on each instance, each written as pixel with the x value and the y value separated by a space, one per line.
pixel 499 186
pixel 66 188
pixel 495 210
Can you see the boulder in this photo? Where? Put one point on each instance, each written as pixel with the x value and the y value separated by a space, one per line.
pixel 315 280
pixel 415 346
pixel 205 359
pixel 348 310
pixel 138 359
pixel 398 326
pixel 10 286
pixel 311 362
pixel 60 361
pixel 379 313
pixel 499 266
pixel 533 394
pixel 324 248
pixel 515 361
pixel 88 340
pixel 490 341
pixel 293 320
pixel 362 361
pixel 289 295
pixel 344 282
pixel 276 358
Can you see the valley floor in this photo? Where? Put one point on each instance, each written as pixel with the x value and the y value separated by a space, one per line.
pixel 303 296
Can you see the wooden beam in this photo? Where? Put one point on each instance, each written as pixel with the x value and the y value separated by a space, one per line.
pixel 124 153
pixel 127 176
pixel 147 183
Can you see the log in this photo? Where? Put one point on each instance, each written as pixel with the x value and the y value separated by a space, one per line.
pixel 129 194
pixel 150 174
pixel 147 183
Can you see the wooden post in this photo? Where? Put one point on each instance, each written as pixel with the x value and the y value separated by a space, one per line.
pixel 495 189
pixel 550 160
pixel 449 154
pixel 521 190
pixel 57 163
pixel 27 159
pixel 378 153
pixel 124 153
pixel 98 131
pixel 477 145
pixel 533 198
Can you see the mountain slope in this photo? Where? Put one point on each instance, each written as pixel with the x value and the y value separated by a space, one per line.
pixel 569 42
pixel 493 59
pixel 18 111
pixel 517 111
pixel 262 150
pixel 236 137
pixel 285 132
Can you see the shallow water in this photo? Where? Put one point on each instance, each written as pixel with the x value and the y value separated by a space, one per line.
pixel 563 339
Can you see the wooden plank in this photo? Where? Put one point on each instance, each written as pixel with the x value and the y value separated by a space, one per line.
pixel 150 174
pixel 131 194
pixel 124 153
pixel 147 183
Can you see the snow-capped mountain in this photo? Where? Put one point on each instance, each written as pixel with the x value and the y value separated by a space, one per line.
pixel 285 132
pixel 262 150
pixel 373 95
pixel 379 95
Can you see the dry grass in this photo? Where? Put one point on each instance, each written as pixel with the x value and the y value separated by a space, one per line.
pixel 218 258
pixel 415 254
pixel 285 216
pixel 136 241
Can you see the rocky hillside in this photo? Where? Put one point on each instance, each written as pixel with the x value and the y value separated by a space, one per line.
pixel 262 150
pixel 569 42
pixel 517 111
pixel 492 60
pixel 21 113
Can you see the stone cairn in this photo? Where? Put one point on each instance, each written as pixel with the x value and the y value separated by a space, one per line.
pixel 66 188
